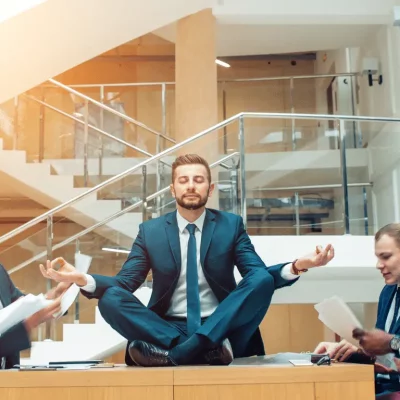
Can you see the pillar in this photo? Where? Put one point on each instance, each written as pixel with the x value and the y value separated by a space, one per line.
pixel 196 97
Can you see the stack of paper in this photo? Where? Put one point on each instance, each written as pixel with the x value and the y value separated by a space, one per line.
pixel 21 309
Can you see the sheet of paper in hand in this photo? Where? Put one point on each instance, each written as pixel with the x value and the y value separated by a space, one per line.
pixel 338 317
pixel 21 309
pixel 82 264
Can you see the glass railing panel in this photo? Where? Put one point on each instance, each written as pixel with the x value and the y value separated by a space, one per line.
pixel 253 96
pixel 284 211
pixel 306 166
pixel 9 124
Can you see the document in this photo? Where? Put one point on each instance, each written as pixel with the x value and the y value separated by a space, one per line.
pixel 21 309
pixel 82 264
pixel 338 317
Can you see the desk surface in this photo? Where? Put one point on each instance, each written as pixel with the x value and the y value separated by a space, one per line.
pixel 179 376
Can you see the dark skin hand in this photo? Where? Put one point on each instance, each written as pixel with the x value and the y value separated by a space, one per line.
pixel 375 342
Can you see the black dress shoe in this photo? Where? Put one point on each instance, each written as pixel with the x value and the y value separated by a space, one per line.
pixel 149 355
pixel 221 355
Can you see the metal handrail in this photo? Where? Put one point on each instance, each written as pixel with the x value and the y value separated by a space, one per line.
pixel 111 110
pixel 115 178
pixel 333 186
pixel 106 220
pixel 104 133
pixel 170 150
pixel 268 78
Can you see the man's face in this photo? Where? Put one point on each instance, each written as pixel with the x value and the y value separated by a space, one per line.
pixel 191 187
pixel 388 254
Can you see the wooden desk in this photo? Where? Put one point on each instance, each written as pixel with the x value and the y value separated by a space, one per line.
pixel 337 382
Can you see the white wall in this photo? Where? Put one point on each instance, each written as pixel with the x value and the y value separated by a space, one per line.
pixel 59 34
pixel 308 11
pixel 9 9
pixel 351 274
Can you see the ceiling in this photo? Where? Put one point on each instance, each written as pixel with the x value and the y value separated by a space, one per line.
pixel 239 40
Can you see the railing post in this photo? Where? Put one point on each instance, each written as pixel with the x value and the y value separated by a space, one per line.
pixel 101 151
pixel 85 142
pixel 343 167
pixel 144 193
pixel 76 318
pixel 224 117
pixel 234 175
pixel 49 256
pixel 242 149
pixel 160 144
pixel 42 112
pixel 292 110
pixel 16 123
pixel 297 211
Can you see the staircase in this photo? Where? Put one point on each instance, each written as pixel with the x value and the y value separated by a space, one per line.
pixel 56 35
pixel 36 181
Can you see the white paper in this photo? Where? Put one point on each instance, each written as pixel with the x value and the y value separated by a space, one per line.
pixel 388 361
pixel 301 363
pixel 338 317
pixel 21 309
pixel 82 264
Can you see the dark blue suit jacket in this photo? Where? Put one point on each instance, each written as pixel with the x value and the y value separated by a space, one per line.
pixel 224 244
pixel 385 301
pixel 16 338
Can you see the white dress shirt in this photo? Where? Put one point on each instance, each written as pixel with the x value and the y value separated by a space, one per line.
pixel 208 301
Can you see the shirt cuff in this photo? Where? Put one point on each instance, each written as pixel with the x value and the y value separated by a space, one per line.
pixel 286 273
pixel 90 287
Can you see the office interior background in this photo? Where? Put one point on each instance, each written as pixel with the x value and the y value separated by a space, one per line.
pixel 296 111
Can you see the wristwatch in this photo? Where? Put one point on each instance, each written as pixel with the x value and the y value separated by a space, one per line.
pixel 395 343
pixel 297 271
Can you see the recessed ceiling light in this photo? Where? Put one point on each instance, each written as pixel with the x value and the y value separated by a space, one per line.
pixel 222 63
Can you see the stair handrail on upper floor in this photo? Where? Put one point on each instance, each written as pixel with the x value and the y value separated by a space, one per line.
pixel 98 130
pixel 238 117
pixel 111 110
pixel 110 218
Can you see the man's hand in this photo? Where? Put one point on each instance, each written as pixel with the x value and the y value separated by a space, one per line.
pixel 58 290
pixel 46 314
pixel 336 351
pixel 375 342
pixel 66 273
pixel 318 258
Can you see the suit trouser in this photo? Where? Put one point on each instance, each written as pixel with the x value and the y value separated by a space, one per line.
pixel 237 317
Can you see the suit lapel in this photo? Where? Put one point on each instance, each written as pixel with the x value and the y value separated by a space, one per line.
pixel 206 236
pixel 387 302
pixel 171 227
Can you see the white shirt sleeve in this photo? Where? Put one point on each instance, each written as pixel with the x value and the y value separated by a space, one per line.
pixel 286 273
pixel 90 287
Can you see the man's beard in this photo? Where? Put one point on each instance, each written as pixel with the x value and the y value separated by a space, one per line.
pixel 193 204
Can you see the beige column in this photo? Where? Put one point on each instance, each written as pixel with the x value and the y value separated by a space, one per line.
pixel 196 100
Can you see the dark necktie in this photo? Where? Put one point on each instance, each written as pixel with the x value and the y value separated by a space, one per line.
pixel 396 311
pixel 192 284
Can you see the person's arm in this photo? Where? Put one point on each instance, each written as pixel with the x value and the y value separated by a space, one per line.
pixel 17 338
pixel 15 293
pixel 246 258
pixel 132 275
pixel 284 274
pixel 14 340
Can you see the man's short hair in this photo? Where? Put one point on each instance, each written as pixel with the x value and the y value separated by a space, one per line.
pixel 189 159
pixel 392 230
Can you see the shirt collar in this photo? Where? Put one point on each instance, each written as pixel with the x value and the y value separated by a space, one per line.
pixel 182 222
